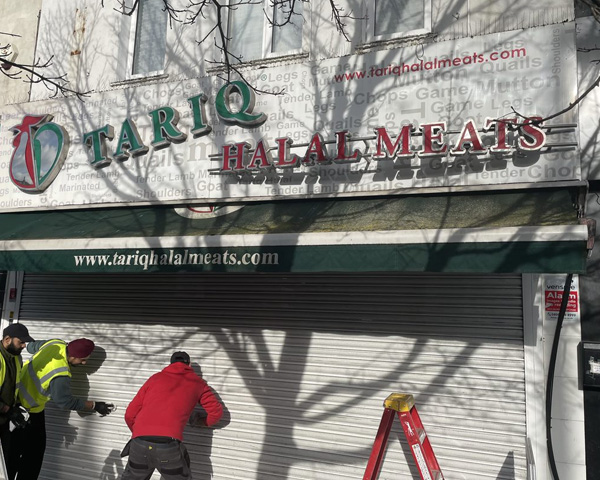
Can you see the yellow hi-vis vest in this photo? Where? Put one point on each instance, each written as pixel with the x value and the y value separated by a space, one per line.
pixel 3 371
pixel 49 362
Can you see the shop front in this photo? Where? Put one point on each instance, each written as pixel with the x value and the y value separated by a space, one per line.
pixel 303 331
pixel 307 270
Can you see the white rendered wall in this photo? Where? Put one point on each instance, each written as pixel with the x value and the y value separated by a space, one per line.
pixel 20 19
pixel 567 406
pixel 92 44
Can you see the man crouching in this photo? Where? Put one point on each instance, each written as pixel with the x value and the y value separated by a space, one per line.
pixel 157 416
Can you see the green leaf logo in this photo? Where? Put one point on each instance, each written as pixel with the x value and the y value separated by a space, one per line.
pixel 40 149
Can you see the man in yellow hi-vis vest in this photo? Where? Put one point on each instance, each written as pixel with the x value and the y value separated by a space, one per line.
pixel 47 376
pixel 14 338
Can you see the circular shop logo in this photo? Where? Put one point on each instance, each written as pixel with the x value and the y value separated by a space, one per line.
pixel 40 149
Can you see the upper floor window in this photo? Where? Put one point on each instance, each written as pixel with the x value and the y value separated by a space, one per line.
pixel 150 38
pixel 398 18
pixel 262 30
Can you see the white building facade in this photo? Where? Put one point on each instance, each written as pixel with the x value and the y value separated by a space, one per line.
pixel 340 216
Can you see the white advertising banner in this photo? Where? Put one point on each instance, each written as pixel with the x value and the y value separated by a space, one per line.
pixel 390 121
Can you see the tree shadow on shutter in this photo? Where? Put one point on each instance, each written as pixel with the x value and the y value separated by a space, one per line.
pixel 80 383
pixel 80 386
pixel 113 466
pixel 201 437
pixel 65 435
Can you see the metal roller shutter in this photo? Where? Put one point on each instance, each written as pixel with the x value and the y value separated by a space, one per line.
pixel 302 364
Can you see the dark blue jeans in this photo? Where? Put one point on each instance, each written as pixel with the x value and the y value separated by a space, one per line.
pixel 170 459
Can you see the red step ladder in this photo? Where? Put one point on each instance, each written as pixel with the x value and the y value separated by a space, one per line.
pixel 418 441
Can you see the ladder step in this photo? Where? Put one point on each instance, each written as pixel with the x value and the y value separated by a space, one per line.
pixel 437 475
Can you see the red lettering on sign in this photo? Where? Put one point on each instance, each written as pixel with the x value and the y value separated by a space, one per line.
pixel 554 299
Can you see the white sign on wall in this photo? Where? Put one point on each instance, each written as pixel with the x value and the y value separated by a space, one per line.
pixel 554 287
pixel 392 121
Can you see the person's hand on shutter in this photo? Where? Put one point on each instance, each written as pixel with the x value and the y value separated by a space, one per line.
pixel 103 408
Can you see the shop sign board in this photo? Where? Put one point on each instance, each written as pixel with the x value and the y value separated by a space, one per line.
pixel 459 113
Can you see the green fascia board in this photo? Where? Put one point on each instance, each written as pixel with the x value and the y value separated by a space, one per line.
pixel 412 212
pixel 501 257
pixel 535 207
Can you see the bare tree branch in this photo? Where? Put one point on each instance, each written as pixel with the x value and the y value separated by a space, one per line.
pixel 230 62
pixel 539 121
pixel 58 84
pixel 168 7
pixel 594 6
pixel 196 9
pixel 338 19
pixel 287 13
pixel 588 50
pixel 229 65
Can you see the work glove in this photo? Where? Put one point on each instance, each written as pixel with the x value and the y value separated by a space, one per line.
pixel 18 416
pixel 103 408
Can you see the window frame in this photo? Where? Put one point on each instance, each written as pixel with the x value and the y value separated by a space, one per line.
pixel 131 50
pixel 268 34
pixel 370 36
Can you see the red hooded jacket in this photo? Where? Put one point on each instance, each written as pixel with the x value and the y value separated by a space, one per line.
pixel 165 402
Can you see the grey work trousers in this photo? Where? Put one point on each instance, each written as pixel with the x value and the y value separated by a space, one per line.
pixel 170 459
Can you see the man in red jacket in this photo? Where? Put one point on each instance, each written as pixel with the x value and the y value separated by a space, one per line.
pixel 157 415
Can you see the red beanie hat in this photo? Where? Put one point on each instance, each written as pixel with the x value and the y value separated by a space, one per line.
pixel 80 348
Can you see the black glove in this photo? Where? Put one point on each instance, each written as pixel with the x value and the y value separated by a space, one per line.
pixel 103 408
pixel 15 415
